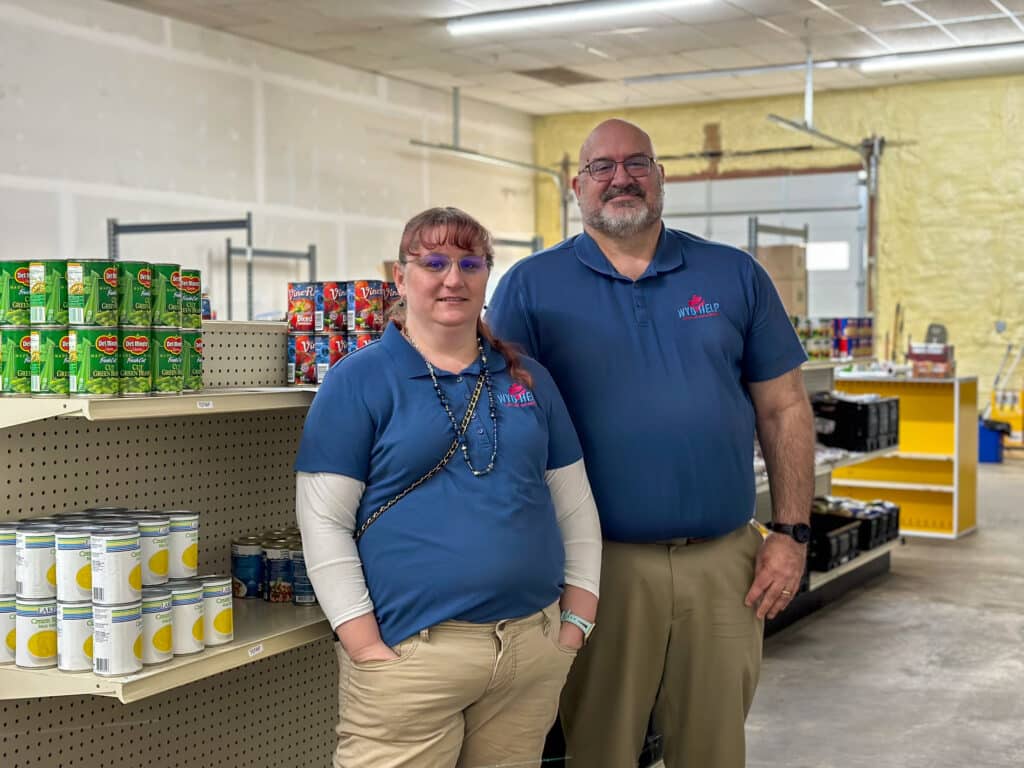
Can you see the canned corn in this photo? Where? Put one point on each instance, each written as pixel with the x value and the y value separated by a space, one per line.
pixel 93 369
pixel 50 358
pixel 168 374
pixel 134 293
pixel 157 632
pixel 48 289
pixel 92 293
pixel 15 360
pixel 74 637
pixel 8 629
pixel 218 616
pixel 74 564
pixel 35 561
pixel 187 620
pixel 135 361
pixel 191 298
pixel 246 567
pixel 8 558
pixel 116 570
pixel 117 638
pixel 35 632
pixel 154 533
pixel 183 544
pixel 15 293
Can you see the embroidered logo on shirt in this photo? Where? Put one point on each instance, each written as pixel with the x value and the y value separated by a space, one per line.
pixel 697 308
pixel 518 396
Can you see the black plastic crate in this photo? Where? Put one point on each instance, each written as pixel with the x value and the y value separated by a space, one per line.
pixel 856 426
pixel 874 525
pixel 834 541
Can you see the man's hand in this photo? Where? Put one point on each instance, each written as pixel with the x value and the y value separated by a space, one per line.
pixel 373 652
pixel 780 564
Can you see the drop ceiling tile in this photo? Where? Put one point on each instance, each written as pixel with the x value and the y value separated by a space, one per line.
pixel 672 38
pixel 778 52
pixel 814 20
pixel 429 77
pixel 770 7
pixel 721 58
pixel 922 38
pixel 947 10
pixel 708 13
pixel 1014 6
pixel 876 16
pixel 988 32
pixel 849 46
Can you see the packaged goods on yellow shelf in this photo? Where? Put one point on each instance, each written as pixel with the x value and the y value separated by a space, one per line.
pixel 74 637
pixel 117 638
pixel 36 633
pixel 932 360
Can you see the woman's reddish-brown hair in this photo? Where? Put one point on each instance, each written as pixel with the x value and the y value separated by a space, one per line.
pixel 451 226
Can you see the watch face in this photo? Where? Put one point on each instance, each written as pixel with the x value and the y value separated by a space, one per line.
pixel 802 533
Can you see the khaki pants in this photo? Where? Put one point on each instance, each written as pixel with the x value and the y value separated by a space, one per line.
pixel 460 694
pixel 672 636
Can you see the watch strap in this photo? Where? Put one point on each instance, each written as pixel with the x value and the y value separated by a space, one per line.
pixel 586 627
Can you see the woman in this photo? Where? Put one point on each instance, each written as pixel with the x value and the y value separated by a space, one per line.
pixel 448 525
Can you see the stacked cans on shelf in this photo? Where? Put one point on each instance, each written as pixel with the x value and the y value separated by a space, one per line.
pixel 328 320
pixel 271 566
pixel 95 328
pixel 107 590
pixel 836 338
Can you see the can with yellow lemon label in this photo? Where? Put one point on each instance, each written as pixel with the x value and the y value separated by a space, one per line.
pixel 35 633
pixel 8 559
pixel 74 564
pixel 183 544
pixel 116 570
pixel 155 531
pixel 35 560
pixel 8 629
pixel 218 616
pixel 117 638
pixel 74 637
pixel 157 637
pixel 187 621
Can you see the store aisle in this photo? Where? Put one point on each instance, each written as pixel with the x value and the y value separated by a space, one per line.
pixel 923 668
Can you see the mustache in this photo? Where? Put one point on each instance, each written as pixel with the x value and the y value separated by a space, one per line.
pixel 629 189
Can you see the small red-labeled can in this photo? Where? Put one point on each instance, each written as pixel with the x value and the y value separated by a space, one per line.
pixel 305 307
pixel 337 346
pixel 335 306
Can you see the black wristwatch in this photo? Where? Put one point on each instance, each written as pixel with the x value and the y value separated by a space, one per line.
pixel 801 532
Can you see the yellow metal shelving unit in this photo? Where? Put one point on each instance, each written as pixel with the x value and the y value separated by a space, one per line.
pixel 933 475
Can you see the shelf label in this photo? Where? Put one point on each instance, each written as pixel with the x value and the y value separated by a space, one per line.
pixel 255 650
pixel 204 404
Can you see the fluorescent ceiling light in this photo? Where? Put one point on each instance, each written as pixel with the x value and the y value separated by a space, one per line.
pixel 943 58
pixel 563 13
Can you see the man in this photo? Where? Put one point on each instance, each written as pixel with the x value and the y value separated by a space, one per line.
pixel 669 350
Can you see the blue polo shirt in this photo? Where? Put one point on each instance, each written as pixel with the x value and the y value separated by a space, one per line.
pixel 654 373
pixel 476 549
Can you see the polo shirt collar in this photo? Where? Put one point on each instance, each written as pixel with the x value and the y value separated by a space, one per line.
pixel 668 255
pixel 410 362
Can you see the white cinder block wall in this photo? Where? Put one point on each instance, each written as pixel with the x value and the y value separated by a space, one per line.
pixel 109 112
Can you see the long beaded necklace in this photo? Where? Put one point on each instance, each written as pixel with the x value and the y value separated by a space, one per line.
pixel 491 403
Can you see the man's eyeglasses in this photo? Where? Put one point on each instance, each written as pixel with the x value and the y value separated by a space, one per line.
pixel 603 169
pixel 439 263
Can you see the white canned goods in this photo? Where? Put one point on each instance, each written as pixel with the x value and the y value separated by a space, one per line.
pixel 154 531
pixel 157 633
pixel 187 622
pixel 8 558
pixel 35 560
pixel 218 616
pixel 183 544
pixel 74 565
pixel 116 571
pixel 74 637
pixel 117 638
pixel 302 587
pixel 36 632
pixel 8 629
pixel 247 566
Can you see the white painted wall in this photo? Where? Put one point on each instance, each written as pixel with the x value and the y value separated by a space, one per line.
pixel 110 112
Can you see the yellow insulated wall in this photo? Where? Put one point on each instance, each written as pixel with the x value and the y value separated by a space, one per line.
pixel 950 213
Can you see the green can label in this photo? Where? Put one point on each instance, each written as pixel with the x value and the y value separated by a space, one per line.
pixel 92 293
pixel 48 286
pixel 191 299
pixel 134 290
pixel 51 357
pixel 135 362
pixel 15 293
pixel 192 359
pixel 167 295
pixel 93 361
pixel 15 361
pixel 168 375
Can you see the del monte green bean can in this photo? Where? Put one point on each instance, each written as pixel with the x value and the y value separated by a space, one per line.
pixel 191 298
pixel 48 286
pixel 92 292
pixel 15 360
pixel 135 362
pixel 192 359
pixel 50 359
pixel 168 374
pixel 93 362
pixel 15 293
pixel 134 290
pixel 166 291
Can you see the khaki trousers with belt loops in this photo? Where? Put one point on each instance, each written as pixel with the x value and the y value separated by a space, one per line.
pixel 672 636
pixel 460 695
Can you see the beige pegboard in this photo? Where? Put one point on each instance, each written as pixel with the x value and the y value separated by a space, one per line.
pixel 241 354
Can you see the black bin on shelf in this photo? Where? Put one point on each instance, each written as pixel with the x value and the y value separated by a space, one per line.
pixel 834 541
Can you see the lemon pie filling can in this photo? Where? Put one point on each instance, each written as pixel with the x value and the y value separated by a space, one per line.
pixel 8 629
pixel 116 570
pixel 74 565
pixel 218 616
pixel 157 632
pixel 183 544
pixel 187 620
pixel 36 633
pixel 117 638
pixel 35 561
pixel 74 637
pixel 154 535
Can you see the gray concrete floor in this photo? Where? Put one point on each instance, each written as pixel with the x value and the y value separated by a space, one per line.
pixel 921 668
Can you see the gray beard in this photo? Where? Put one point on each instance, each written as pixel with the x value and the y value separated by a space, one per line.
pixel 627 223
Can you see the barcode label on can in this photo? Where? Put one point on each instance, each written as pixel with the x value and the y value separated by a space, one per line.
pixel 102 665
pixel 76 315
pixel 97 594
pixel 318 320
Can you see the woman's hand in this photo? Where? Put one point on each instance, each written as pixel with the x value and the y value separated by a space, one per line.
pixel 378 651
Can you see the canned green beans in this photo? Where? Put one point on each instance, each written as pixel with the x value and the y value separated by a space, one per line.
pixel 93 362
pixel 15 293
pixel 50 359
pixel 218 616
pixel 166 292
pixel 92 293
pixel 168 375
pixel 192 359
pixel 135 362
pixel 74 637
pixel 48 288
pixel 117 638
pixel 191 299
pixel 8 629
pixel 15 360
pixel 134 293
pixel 157 633
pixel 35 632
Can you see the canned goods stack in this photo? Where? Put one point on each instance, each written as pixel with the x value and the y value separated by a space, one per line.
pixel 836 338
pixel 271 566
pixel 328 320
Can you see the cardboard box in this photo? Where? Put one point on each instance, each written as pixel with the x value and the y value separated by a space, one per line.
pixel 793 294
pixel 783 262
